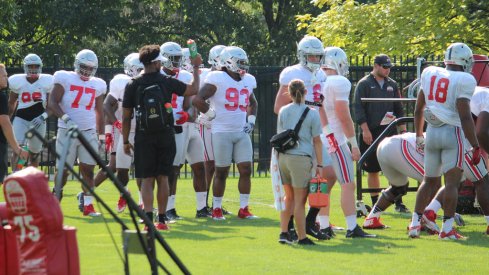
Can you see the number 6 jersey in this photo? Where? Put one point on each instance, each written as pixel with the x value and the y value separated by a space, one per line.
pixel 231 100
pixel 78 101
pixel 441 90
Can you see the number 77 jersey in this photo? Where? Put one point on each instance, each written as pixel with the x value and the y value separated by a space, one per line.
pixel 441 90
pixel 79 96
pixel 231 100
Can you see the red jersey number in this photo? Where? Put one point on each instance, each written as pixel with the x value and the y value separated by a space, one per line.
pixel 80 91
pixel 27 97
pixel 233 96
pixel 316 92
pixel 440 94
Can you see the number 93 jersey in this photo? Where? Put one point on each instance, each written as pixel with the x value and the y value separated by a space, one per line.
pixel 231 100
pixel 441 90
pixel 312 80
pixel 78 100
pixel 31 93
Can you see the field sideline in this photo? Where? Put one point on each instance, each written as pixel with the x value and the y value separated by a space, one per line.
pixel 237 246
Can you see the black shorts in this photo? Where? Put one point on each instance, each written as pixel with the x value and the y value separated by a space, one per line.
pixel 3 161
pixel 154 154
pixel 371 164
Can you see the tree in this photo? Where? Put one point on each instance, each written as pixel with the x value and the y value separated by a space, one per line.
pixel 400 27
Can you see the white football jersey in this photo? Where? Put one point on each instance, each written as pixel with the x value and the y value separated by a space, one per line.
pixel 203 74
pixel 336 88
pixel 31 93
pixel 116 90
pixel 78 101
pixel 231 100
pixel 442 88
pixel 480 101
pixel 312 81
pixel 177 101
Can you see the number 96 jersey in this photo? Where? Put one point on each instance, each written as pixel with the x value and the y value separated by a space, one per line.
pixel 442 88
pixel 231 100
pixel 78 100
pixel 31 93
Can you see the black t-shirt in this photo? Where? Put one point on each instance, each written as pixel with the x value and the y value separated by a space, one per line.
pixel 167 84
pixel 3 111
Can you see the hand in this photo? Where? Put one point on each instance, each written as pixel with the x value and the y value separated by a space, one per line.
pixel 248 128
pixel 210 114
pixel 203 120
pixel 367 137
pixel 355 153
pixel 333 143
pixel 109 142
pixel 196 61
pixel 182 117
pixel 420 144
pixel 127 149
pixel 476 155
pixel 117 124
pixel 37 121
pixel 70 124
pixel 23 154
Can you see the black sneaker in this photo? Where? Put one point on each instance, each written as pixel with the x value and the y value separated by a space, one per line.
pixel 81 201
pixel 358 232
pixel 401 208
pixel 172 215
pixel 203 213
pixel 284 238
pixel 225 212
pixel 313 231
pixel 305 241
pixel 293 234
pixel 328 231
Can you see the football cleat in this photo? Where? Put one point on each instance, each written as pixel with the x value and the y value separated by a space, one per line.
pixel 284 238
pixel 81 201
pixel 373 223
pixel 357 232
pixel 429 220
pixel 414 231
pixel 172 215
pixel 459 220
pixel 225 212
pixel 244 213
pixel 159 226
pixel 203 213
pixel 293 234
pixel 121 205
pixel 217 214
pixel 328 231
pixel 314 231
pixel 401 208
pixel 88 210
pixel 452 235
pixel 305 241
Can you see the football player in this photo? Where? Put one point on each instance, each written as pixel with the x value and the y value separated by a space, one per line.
pixel 232 108
pixel 77 100
pixel 444 101
pixel 338 132
pixel 31 91
pixel 310 52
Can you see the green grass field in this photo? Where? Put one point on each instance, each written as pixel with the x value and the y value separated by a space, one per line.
pixel 237 246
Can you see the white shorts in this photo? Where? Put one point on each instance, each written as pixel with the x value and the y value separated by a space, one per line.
pixel 231 146
pixel 342 161
pixel 180 142
pixel 473 172
pixel 400 161
pixel 123 160
pixel 444 149
pixel 76 149
pixel 117 135
pixel 194 144
pixel 206 135
pixel 21 126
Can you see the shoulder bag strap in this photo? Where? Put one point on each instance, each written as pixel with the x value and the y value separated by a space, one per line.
pixel 299 124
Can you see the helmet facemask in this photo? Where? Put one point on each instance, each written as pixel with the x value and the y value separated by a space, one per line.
pixel 32 66
pixel 85 71
pixel 173 63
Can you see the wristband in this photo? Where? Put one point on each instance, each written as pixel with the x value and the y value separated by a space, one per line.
pixel 353 142
pixel 109 129
pixel 252 119
pixel 327 130
pixel 126 142
pixel 65 118
pixel 44 116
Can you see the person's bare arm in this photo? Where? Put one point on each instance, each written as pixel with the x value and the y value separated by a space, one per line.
pixel 3 77
pixel 205 93
pixel 418 114
pixel 110 107
pixel 12 103
pixel 8 132
pixel 193 88
pixel 482 130
pixel 55 99
pixel 281 99
pixel 126 128
pixel 253 106
pixel 99 114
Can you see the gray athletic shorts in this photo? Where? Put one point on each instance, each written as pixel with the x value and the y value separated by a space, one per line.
pixel 229 146
pixel 194 144
pixel 206 135
pixel 180 143
pixel 21 126
pixel 444 149
pixel 76 149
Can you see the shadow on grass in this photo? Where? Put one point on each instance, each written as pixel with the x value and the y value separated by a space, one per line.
pixel 354 246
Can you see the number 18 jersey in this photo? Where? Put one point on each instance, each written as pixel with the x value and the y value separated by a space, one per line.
pixel 78 101
pixel 442 88
pixel 231 100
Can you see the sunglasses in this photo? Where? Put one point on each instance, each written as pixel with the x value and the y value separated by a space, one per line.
pixel 386 66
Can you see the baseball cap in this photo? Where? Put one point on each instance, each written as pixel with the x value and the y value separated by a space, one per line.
pixel 383 60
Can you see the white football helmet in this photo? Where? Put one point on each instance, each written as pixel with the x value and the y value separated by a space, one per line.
pixel 173 52
pixel 186 64
pixel 32 59
pixel 132 65
pixel 235 60
pixel 86 64
pixel 459 54
pixel 214 56
pixel 310 46
pixel 335 58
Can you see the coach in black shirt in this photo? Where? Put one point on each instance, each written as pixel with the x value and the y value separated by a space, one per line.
pixel 154 152
pixel 370 115
pixel 7 133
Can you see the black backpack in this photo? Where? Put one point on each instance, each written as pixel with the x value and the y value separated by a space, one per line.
pixel 151 114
